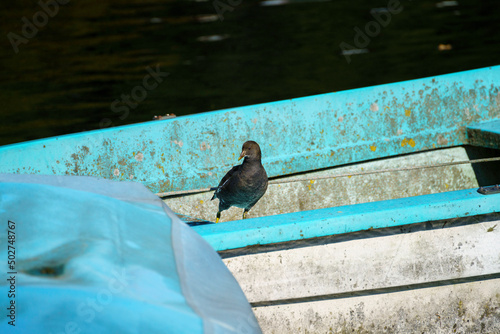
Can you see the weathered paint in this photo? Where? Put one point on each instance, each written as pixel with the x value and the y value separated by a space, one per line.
pixel 332 192
pixel 350 218
pixel 296 135
pixel 485 134
pixel 451 308
pixel 435 277
pixel 464 248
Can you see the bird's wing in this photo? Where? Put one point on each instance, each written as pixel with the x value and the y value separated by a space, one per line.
pixel 225 179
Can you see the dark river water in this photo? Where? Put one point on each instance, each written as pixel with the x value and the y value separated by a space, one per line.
pixel 71 66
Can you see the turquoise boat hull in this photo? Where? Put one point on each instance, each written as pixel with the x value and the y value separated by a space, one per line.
pixel 410 251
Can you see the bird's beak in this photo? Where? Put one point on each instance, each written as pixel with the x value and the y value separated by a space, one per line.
pixel 242 155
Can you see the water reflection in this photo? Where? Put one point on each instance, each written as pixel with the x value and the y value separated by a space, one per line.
pixel 89 54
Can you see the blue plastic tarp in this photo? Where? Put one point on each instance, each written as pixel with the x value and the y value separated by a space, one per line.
pixel 97 256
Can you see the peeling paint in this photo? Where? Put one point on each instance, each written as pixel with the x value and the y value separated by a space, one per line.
pixel 204 146
pixel 441 140
pixel 139 156
pixel 322 126
pixel 373 275
pixel 408 141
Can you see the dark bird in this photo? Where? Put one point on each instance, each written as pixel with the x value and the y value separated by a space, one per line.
pixel 244 184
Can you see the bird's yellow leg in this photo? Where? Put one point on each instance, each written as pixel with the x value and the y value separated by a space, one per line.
pixel 218 217
pixel 245 214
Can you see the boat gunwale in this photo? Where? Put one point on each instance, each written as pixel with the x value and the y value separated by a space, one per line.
pixel 354 91
pixel 325 130
pixel 348 219
pixel 360 235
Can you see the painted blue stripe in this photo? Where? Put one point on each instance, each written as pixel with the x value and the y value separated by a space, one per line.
pixel 350 218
